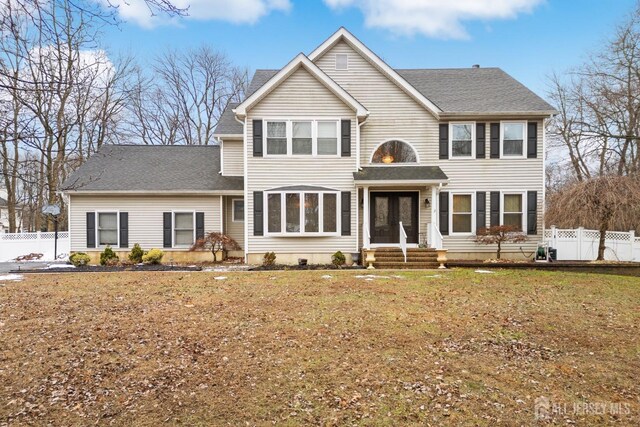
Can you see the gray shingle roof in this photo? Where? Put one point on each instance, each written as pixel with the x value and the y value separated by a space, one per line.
pixel 3 202
pixel 478 90
pixel 400 173
pixel 228 125
pixel 153 168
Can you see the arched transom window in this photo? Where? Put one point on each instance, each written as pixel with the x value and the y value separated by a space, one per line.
pixel 394 151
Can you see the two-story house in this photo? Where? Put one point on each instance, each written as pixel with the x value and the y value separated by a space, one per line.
pixel 334 151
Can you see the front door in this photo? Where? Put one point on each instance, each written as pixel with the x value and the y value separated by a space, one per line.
pixel 388 209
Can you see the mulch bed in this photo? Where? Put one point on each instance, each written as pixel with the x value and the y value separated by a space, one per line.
pixel 626 269
pixel 110 269
pixel 276 267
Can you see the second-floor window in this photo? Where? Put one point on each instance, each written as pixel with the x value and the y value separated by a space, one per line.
pixel 301 137
pixel 513 136
pixel 462 140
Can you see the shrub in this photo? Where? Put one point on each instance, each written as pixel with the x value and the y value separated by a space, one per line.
pixel 215 242
pixel 79 259
pixel 269 259
pixel 108 257
pixel 136 254
pixel 154 256
pixel 338 259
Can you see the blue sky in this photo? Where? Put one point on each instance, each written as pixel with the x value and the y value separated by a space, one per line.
pixel 538 38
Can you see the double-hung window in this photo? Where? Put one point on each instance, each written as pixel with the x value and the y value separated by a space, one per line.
pixel 513 137
pixel 461 213
pixel 309 213
pixel 237 214
pixel 276 137
pixel 461 142
pixel 328 137
pixel 513 212
pixel 183 228
pixel 107 228
pixel 302 137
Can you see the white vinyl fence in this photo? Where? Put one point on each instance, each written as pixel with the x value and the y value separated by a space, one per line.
pixel 582 245
pixel 13 245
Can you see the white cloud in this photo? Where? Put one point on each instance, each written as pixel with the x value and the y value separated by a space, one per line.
pixel 234 11
pixel 433 18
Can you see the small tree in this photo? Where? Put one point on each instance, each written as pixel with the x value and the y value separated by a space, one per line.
pixel 215 242
pixel 499 234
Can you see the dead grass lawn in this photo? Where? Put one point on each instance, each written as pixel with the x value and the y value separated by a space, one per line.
pixel 293 348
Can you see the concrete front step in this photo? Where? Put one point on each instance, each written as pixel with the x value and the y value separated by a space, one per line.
pixel 405 265
pixel 394 249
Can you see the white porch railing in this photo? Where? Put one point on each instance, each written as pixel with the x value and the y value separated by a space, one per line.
pixel 403 241
pixel 434 238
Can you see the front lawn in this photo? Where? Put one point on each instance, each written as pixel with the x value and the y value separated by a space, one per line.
pixel 419 347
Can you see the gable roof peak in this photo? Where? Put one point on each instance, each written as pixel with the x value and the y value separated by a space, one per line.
pixel 343 34
pixel 301 60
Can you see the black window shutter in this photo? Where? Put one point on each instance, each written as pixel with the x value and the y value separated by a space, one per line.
pixel 91 229
pixel 495 140
pixel 481 210
pixel 200 225
pixel 444 212
pixel 124 229
pixel 257 138
pixel 481 139
pixel 346 213
pixel 444 141
pixel 495 208
pixel 258 213
pixel 532 212
pixel 346 137
pixel 532 140
pixel 166 230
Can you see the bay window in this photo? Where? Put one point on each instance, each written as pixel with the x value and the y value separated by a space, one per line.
pixel 512 212
pixel 107 228
pixel 513 136
pixel 301 137
pixel 292 213
pixel 274 208
pixel 461 213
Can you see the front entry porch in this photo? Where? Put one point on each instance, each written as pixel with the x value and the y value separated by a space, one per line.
pixel 398 214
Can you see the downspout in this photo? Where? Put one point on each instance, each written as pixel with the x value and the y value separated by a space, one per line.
pixel 246 185
pixel 358 133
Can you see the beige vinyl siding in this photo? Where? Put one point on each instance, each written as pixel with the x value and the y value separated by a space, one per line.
pixel 301 95
pixel 395 115
pixel 234 229
pixel 145 215
pixel 233 163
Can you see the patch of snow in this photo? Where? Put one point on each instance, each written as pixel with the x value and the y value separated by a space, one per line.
pixel 11 278
pixel 435 276
pixel 484 271
pixel 371 277
pixel 327 276
pixel 50 266
pixel 220 277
